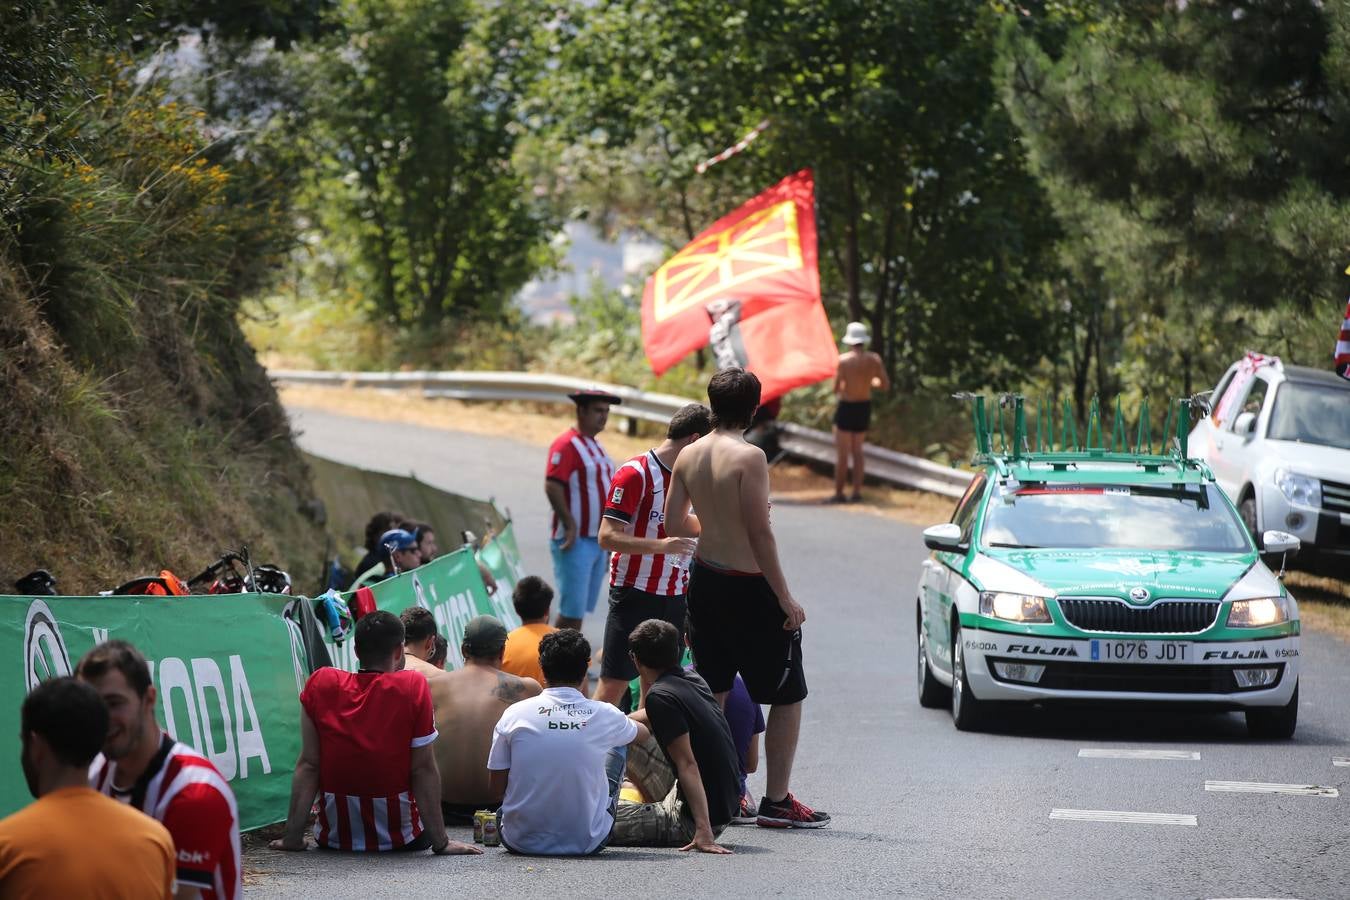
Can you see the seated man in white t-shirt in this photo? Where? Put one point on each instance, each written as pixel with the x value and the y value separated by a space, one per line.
pixel 558 758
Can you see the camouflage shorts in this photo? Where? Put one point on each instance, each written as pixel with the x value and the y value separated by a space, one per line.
pixel 660 823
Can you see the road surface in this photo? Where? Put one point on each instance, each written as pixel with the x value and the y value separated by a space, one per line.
pixel 919 809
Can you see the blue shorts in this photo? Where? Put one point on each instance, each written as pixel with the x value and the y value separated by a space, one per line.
pixel 580 573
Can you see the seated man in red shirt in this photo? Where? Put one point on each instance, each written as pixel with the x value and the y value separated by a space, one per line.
pixel 366 754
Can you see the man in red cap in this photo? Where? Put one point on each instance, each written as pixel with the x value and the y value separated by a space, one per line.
pixel 578 475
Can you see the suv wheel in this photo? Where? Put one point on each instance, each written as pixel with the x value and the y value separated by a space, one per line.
pixel 1274 722
pixel 968 711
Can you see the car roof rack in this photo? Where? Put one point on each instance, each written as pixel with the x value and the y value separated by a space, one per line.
pixel 993 448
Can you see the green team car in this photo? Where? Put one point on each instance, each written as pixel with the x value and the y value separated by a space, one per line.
pixel 1103 575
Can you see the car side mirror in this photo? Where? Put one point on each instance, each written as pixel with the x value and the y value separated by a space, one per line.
pixel 1279 542
pixel 1245 424
pixel 946 537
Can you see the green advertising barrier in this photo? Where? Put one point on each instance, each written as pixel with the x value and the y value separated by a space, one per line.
pixel 452 588
pixel 228 670
pixel 501 555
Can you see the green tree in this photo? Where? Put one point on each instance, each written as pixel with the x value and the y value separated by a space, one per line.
pixel 930 227
pixel 412 131
pixel 1195 153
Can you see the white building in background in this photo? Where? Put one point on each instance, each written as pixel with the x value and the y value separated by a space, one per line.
pixel 589 258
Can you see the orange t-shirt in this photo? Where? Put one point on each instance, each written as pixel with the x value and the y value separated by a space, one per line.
pixel 75 842
pixel 521 656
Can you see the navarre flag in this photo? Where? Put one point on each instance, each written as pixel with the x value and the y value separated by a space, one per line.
pixel 749 288
pixel 1342 362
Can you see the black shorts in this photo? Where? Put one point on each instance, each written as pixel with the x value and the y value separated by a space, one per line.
pixel 853 415
pixel 736 626
pixel 629 608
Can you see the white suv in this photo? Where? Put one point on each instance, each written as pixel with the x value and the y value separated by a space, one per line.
pixel 1278 441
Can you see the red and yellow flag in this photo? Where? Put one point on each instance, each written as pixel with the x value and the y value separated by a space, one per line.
pixel 748 286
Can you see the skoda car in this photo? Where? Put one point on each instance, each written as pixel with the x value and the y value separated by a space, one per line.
pixel 1104 578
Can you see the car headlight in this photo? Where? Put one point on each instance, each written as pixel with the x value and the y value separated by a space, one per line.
pixel 1259 612
pixel 1300 489
pixel 1014 607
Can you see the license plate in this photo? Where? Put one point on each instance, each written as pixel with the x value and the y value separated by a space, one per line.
pixel 1141 651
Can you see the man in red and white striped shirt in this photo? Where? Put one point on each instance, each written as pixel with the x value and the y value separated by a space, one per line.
pixel 578 473
pixel 366 754
pixel 649 571
pixel 142 766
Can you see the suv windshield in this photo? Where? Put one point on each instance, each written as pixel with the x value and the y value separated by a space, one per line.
pixel 1311 414
pixel 1113 516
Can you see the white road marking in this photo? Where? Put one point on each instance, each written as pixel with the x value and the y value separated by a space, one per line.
pixel 1108 753
pixel 1258 787
pixel 1340 760
pixel 1109 815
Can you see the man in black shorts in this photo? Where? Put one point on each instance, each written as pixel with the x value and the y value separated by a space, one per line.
pixel 859 372
pixel 649 572
pixel 742 617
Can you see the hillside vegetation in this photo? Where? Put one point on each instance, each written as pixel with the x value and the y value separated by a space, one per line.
pixel 138 431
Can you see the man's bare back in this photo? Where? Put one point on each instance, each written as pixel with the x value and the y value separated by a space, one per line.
pixel 860 371
pixel 712 471
pixel 468 702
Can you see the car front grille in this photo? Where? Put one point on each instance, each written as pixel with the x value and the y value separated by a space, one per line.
pixel 1336 497
pixel 1139 678
pixel 1117 616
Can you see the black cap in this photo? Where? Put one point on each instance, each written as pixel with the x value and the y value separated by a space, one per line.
pixel 594 394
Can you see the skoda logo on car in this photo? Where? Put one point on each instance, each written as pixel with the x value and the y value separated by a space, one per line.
pixel 1139 594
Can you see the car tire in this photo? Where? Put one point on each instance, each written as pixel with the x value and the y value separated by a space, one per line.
pixel 932 693
pixel 969 713
pixel 1247 512
pixel 1274 722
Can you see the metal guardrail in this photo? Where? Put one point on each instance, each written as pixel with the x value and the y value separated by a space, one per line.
pixel 803 443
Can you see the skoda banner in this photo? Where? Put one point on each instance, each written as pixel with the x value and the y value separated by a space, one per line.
pixel 225 669
pixel 228 669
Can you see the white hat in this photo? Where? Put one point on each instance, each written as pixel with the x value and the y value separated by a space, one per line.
pixel 856 333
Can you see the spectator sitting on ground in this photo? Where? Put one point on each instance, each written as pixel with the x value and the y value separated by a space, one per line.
pixel 400 555
pixel 143 766
pixel 73 841
pixel 366 745
pixel 440 651
pixel 378 525
pixel 696 786
pixel 532 598
pixel 469 701
pixel 559 758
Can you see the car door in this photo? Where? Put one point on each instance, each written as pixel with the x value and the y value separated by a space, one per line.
pixel 940 575
pixel 1236 451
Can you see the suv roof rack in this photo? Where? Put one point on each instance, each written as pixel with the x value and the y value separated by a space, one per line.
pixel 1068 450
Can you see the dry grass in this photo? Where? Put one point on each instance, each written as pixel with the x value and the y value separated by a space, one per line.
pixel 792 483
pixel 1323 603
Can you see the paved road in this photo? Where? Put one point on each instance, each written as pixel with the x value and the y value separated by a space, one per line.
pixel 919 809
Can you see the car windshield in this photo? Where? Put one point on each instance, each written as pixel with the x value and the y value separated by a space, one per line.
pixel 1311 414
pixel 1125 517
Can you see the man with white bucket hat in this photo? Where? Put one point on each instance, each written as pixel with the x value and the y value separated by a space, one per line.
pixel 860 371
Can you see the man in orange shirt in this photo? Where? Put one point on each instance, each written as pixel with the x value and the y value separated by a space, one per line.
pixel 75 842
pixel 532 599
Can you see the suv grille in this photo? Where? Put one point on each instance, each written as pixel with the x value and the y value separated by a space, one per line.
pixel 1336 497
pixel 1164 617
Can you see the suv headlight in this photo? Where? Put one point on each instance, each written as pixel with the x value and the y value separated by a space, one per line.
pixel 1300 489
pixel 1014 607
pixel 1258 613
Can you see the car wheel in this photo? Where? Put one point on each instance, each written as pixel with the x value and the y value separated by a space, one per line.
pixel 968 711
pixel 1247 511
pixel 1274 722
pixel 932 693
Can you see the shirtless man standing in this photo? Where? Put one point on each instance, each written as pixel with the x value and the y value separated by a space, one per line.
pixel 467 703
pixel 742 617
pixel 860 371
